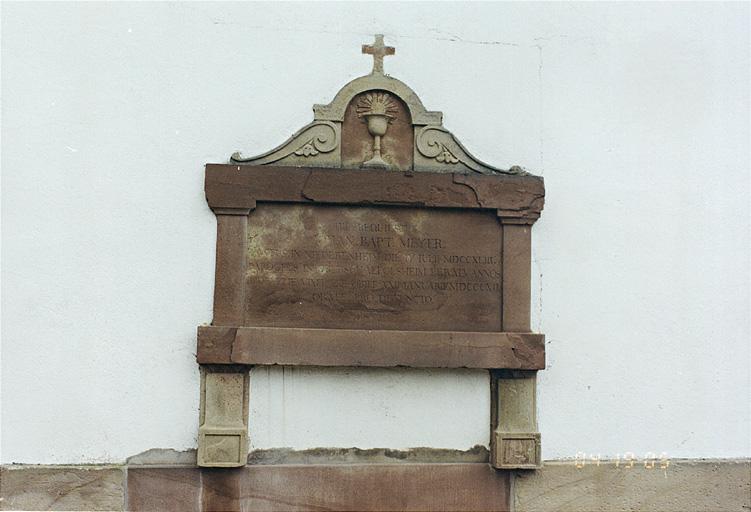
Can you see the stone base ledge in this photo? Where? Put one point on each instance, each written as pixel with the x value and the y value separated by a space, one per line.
pixel 686 485
pixel 93 487
pixel 397 487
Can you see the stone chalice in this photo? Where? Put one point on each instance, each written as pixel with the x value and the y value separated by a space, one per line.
pixel 378 111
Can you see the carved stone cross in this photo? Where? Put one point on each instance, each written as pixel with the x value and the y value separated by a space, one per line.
pixel 378 51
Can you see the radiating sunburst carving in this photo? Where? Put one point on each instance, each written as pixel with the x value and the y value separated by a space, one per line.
pixel 377 103
pixel 377 110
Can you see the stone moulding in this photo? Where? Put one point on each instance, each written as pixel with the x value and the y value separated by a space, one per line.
pixel 350 479
pixel 384 348
pixel 517 199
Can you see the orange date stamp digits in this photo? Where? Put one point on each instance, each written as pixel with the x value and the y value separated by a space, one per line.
pixel 628 460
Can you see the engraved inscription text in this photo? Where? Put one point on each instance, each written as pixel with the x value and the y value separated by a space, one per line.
pixel 373 268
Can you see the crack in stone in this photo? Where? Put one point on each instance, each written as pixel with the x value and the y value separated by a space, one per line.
pixel 455 178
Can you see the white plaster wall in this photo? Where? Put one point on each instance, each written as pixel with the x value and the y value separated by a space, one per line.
pixel 636 114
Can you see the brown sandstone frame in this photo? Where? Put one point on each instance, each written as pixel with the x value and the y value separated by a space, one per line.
pixel 228 348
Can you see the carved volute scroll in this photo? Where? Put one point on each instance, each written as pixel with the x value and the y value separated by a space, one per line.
pixel 346 132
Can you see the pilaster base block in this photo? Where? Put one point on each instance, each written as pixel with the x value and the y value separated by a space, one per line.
pixel 223 430
pixel 516 450
pixel 222 448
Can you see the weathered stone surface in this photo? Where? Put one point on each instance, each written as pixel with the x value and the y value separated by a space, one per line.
pixel 61 488
pixel 353 347
pixel 223 430
pixel 517 277
pixel 515 442
pixel 373 268
pixel 517 408
pixel 338 480
pixel 366 456
pixel 414 138
pixel 243 186
pixel 696 486
pixel 361 487
pixel 164 489
pixel 215 344
pixel 230 259
pixel 221 489
pixel 397 145
pixel 161 457
pixel 516 450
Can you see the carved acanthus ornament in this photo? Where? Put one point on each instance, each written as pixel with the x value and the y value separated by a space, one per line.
pixel 308 149
pixel 446 157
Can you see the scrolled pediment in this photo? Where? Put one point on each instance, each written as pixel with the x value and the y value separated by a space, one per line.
pixel 376 121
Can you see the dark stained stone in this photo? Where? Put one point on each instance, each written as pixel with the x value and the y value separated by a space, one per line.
pixel 164 489
pixel 376 487
pixel 364 487
pixel 379 348
pixel 512 197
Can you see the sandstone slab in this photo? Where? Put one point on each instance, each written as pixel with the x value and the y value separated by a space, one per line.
pixel 61 488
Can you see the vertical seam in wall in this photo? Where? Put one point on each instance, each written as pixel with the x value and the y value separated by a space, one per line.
pixel 540 109
pixel 200 506
pixel 511 489
pixel 125 487
pixel 538 267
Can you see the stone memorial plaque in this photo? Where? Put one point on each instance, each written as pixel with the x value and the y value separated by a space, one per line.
pixel 371 238
pixel 354 267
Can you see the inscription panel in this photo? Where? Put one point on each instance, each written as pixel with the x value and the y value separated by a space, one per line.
pixel 373 268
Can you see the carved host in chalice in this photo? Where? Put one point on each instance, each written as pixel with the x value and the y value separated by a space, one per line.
pixel 378 111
